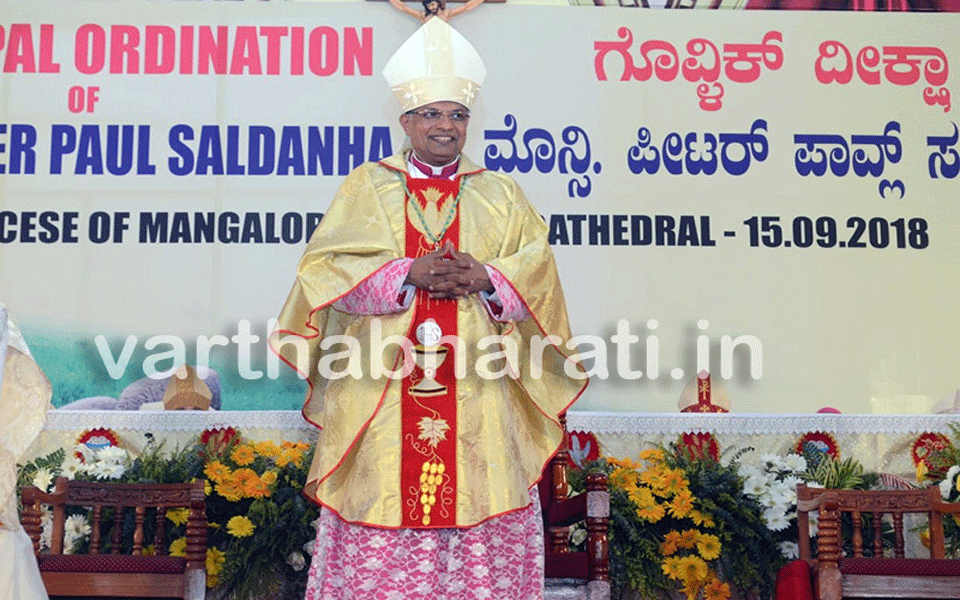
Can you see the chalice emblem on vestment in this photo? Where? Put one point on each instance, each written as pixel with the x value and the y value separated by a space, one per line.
pixel 429 355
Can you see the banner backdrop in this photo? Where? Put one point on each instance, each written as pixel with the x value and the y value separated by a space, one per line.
pixel 769 196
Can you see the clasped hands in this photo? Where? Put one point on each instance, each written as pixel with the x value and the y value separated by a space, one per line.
pixel 446 273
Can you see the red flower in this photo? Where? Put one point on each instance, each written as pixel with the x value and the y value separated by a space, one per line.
pixel 218 440
pixel 700 444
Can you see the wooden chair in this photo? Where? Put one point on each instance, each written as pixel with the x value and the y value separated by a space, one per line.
pixel 115 565
pixel 868 569
pixel 574 574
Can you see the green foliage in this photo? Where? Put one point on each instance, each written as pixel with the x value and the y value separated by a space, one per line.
pixel 750 555
pixel 836 474
pixel 51 462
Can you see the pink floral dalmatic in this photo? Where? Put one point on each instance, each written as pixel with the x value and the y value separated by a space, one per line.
pixel 501 558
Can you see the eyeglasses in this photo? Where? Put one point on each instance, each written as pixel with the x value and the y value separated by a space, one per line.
pixel 432 114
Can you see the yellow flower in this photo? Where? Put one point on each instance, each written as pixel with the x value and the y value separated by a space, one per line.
pixel 249 484
pixel 243 455
pixel 229 490
pixel 682 504
pixel 688 538
pixel 267 448
pixel 207 488
pixel 178 547
pixel 690 589
pixel 701 519
pixel 216 471
pixel 215 561
pixel 671 567
pixel 240 526
pixel 623 463
pixel 149 550
pixel 925 537
pixel 269 477
pixel 178 515
pixel 693 570
pixel 288 456
pixel 921 471
pixel 674 482
pixel 652 513
pixel 708 546
pixel 670 544
pixel 653 477
pixel 642 497
pixel 623 478
pixel 652 454
pixel 716 590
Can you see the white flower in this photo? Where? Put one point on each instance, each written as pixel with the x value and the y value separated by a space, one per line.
pixel 296 561
pixel 578 535
pixel 46 528
pixel 309 546
pixel 773 460
pixel 790 550
pixel 946 486
pixel 72 466
pixel 791 484
pixel 77 526
pixel 478 549
pixel 776 520
pixel 378 541
pixel 113 454
pixel 754 486
pixel 75 529
pixel 85 452
pixel 795 463
pixel 43 479
pixel 106 470
pixel 433 430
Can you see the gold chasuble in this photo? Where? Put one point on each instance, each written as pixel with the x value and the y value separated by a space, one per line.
pixel 459 430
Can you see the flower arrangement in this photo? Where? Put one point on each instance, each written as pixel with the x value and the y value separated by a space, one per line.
pixel 681 524
pixel 773 484
pixel 942 468
pixel 260 527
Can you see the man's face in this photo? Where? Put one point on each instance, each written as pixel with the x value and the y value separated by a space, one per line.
pixel 439 140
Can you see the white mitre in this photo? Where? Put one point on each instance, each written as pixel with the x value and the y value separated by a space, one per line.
pixel 435 64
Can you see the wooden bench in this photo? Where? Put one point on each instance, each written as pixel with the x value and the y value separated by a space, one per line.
pixel 120 516
pixel 587 570
pixel 871 566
